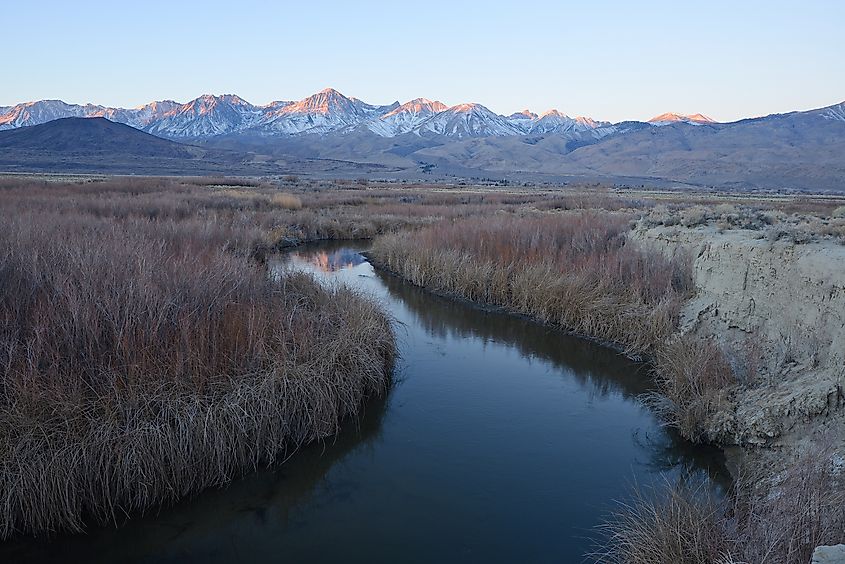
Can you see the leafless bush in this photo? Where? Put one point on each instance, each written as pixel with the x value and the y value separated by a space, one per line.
pixel 781 520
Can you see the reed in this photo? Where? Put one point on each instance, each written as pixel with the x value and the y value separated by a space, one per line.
pixel 574 270
pixel 145 356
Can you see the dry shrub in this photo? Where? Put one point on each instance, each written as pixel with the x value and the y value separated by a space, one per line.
pixel 673 524
pixel 221 181
pixel 146 358
pixel 760 521
pixel 781 520
pixel 692 376
pixel 286 201
pixel 575 270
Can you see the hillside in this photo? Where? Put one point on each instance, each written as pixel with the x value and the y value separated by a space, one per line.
pixel 88 136
pixel 98 145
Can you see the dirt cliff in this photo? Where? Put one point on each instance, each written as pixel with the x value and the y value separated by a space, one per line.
pixel 778 311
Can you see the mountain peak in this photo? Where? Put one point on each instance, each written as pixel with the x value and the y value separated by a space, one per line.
pixel 671 117
pixel 468 107
pixel 330 91
pixel 406 117
pixel 325 101
pixel 419 105
pixel 524 114
pixel 554 114
pixel 468 120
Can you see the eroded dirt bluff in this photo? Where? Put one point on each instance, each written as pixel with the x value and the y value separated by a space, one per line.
pixel 778 311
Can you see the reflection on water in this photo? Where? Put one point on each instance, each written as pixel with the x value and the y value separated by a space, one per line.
pixel 502 440
pixel 334 260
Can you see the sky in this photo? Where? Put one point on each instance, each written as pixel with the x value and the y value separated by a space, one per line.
pixel 609 60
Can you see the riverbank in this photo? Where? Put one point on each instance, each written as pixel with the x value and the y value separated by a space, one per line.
pixel 147 355
pixel 782 394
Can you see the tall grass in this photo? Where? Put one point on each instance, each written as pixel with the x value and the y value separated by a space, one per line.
pixel 693 377
pixel 579 271
pixel 761 521
pixel 677 523
pixel 574 270
pixel 144 357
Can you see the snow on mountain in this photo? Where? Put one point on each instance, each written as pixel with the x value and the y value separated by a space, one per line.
pixel 835 113
pixel 590 123
pixel 276 105
pixel 34 113
pixel 325 111
pixel 669 118
pixel 523 120
pixel 206 116
pixel 406 117
pixel 523 115
pixel 329 112
pixel 467 120
pixel 554 121
pixel 139 117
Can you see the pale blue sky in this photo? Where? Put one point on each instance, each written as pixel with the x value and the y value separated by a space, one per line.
pixel 606 59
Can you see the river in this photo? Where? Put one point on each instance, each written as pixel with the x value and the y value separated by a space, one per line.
pixel 501 440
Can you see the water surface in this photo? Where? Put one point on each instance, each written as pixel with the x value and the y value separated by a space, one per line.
pixel 502 440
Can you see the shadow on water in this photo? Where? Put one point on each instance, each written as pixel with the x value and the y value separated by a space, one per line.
pixel 218 524
pixel 503 440
pixel 597 368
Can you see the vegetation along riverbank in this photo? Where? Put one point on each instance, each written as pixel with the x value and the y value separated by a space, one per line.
pixel 739 308
pixel 146 355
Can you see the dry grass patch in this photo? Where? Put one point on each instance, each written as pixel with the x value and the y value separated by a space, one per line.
pixel 761 521
pixel 145 356
pixel 693 377
pixel 286 201
pixel 676 524
pixel 574 270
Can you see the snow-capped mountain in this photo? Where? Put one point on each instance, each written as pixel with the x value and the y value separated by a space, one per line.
pixel 467 120
pixel 554 121
pixel 523 120
pixel 329 112
pixel 324 112
pixel 692 119
pixel 525 114
pixel 276 105
pixel 206 116
pixel 406 117
pixel 139 117
pixel 33 113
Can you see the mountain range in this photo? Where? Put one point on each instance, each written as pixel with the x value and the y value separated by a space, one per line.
pixel 324 113
pixel 334 133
